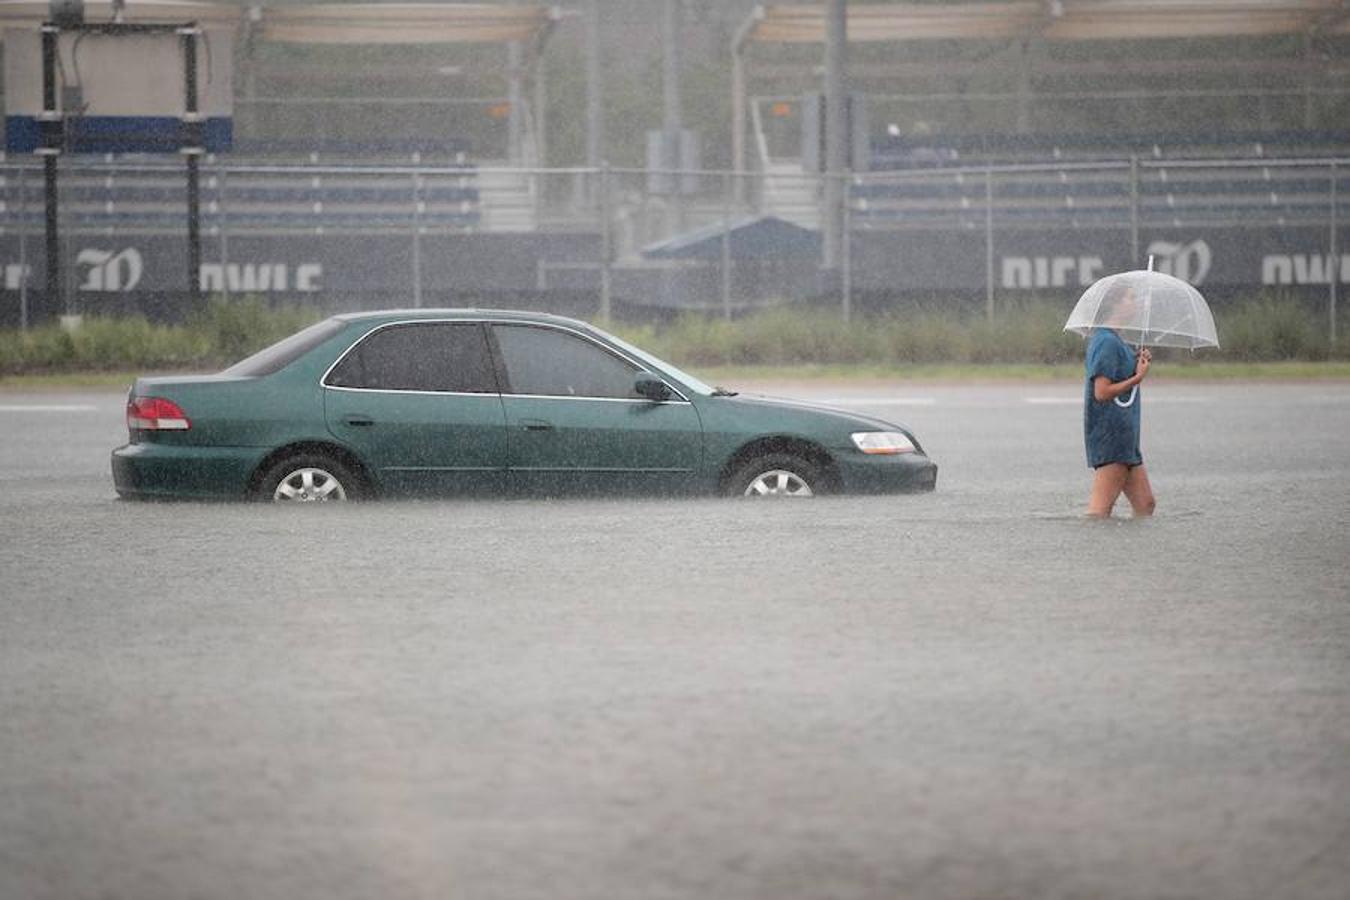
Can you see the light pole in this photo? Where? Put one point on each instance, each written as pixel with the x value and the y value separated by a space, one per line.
pixel 836 136
pixel 595 122
pixel 672 138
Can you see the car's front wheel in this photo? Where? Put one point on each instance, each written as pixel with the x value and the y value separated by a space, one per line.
pixel 777 475
pixel 308 478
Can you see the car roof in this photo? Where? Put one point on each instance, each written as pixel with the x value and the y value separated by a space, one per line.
pixel 459 313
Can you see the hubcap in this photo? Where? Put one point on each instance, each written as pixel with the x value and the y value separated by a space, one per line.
pixel 309 485
pixel 778 483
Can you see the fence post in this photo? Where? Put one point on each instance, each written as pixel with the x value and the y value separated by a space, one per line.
pixel 222 222
pixel 989 240
pixel 23 248
pixel 1134 210
pixel 1335 261
pixel 416 243
pixel 727 188
pixel 606 238
pixel 846 251
pixel 191 36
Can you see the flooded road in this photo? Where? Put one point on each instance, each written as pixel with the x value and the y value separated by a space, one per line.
pixel 973 693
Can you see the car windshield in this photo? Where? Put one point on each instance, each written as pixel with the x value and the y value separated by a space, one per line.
pixel 287 350
pixel 659 365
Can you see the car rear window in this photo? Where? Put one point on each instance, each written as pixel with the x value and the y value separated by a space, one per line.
pixel 287 350
pixel 433 356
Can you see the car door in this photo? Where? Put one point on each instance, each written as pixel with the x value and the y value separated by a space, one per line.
pixel 575 423
pixel 419 403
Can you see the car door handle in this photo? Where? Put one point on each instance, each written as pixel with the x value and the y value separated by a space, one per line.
pixel 536 425
pixel 359 421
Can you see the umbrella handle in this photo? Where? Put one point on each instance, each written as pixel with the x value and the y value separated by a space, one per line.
pixel 1130 402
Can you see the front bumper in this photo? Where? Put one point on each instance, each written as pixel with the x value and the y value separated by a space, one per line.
pixel 862 473
pixel 165 470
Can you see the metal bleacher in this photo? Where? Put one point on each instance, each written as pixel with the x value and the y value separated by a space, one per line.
pixel 291 188
pixel 900 152
pixel 1280 179
pixel 300 187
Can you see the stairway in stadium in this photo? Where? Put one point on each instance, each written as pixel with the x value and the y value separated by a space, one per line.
pixel 507 198
pixel 791 194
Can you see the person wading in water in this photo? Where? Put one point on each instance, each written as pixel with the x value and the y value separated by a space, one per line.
pixel 1111 411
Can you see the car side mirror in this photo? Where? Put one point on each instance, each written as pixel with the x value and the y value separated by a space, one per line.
pixel 648 385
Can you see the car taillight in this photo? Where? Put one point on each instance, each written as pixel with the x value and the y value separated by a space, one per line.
pixel 156 414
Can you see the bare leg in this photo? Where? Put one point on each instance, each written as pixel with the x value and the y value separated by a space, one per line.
pixel 1139 492
pixel 1107 483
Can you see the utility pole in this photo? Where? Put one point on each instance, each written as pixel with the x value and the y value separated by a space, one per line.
pixel 672 126
pixel 595 122
pixel 514 102
pixel 836 136
pixel 670 72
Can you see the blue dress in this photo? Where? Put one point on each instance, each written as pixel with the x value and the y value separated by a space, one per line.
pixel 1111 429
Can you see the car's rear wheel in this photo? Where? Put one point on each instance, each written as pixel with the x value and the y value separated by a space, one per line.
pixel 308 478
pixel 777 475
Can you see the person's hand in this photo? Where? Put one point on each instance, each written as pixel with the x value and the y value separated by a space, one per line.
pixel 1142 363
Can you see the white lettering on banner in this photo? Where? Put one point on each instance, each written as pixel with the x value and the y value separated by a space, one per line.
pixel 259 277
pixel 307 277
pixel 1189 262
pixel 16 274
pixel 109 271
pixel 1049 271
pixel 1303 268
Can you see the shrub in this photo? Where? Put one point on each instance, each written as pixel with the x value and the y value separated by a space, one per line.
pixel 104 343
pixel 1267 327
pixel 923 337
pixel 1025 332
pixel 234 329
pixel 46 348
pixel 225 331
pixel 1271 328
pixel 696 339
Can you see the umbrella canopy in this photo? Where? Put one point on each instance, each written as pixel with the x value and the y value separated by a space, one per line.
pixel 1146 308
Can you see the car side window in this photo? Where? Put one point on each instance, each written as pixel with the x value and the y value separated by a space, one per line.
pixel 552 363
pixel 423 356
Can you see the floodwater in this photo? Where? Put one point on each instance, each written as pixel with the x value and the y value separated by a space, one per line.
pixel 973 693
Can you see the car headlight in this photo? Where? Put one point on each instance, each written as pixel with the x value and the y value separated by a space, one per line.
pixel 883 442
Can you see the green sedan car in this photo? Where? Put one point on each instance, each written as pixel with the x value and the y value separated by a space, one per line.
pixel 474 401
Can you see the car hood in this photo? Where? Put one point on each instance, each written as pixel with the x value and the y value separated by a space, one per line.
pixel 757 403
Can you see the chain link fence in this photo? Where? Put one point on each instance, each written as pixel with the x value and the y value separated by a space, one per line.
pixel 638 243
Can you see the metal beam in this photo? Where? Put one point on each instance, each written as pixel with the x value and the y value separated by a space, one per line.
pixel 1060 20
pixel 929 70
pixel 738 98
pixel 535 64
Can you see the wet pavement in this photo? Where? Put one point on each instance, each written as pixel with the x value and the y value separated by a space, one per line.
pixel 973 693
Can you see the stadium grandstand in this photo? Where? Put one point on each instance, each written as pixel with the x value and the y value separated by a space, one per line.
pixel 957 86
pixel 411 152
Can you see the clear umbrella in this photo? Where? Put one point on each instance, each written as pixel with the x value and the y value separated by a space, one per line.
pixel 1147 309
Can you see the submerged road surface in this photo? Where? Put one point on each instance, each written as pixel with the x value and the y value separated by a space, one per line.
pixel 969 694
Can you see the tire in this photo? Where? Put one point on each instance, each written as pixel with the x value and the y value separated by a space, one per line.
pixel 777 475
pixel 308 478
